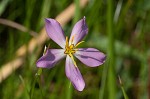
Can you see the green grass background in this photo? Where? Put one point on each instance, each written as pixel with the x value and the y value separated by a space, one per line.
pixel 119 28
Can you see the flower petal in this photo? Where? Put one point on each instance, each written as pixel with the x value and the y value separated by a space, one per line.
pixel 79 31
pixel 74 75
pixel 51 57
pixel 90 56
pixel 55 32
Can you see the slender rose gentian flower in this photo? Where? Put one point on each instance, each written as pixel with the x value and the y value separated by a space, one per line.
pixel 89 56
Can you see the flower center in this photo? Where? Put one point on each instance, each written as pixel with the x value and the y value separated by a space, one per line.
pixel 71 49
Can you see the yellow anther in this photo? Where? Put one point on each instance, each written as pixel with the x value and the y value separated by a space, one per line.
pixel 71 46
pixel 67 44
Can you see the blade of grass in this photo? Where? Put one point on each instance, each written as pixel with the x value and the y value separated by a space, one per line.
pixel 36 79
pixel 69 90
pixel 77 11
pixel 24 84
pixel 29 11
pixel 103 82
pixel 118 9
pixel 122 88
pixel 111 52
pixel 3 5
pixel 120 23
pixel 46 7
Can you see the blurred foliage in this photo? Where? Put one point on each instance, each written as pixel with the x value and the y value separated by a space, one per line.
pixel 131 25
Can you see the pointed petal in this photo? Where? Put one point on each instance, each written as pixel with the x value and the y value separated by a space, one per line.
pixel 51 57
pixel 55 32
pixel 74 75
pixel 79 31
pixel 90 56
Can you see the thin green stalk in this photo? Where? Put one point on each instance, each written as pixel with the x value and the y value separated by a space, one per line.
pixel 36 78
pixel 122 88
pixel 32 88
pixel 77 11
pixel 124 93
pixel 29 11
pixel 103 82
pixel 44 13
pixel 111 52
pixel 24 85
pixel 69 90
pixel 122 16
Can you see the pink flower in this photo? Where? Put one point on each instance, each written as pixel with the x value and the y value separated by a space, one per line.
pixel 89 56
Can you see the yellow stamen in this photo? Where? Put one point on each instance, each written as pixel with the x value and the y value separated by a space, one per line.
pixel 72 38
pixel 71 46
pixel 73 60
pixel 70 49
pixel 79 43
pixel 67 44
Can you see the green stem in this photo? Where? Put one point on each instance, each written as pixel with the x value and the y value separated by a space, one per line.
pixel 77 11
pixel 69 90
pixel 103 82
pixel 122 88
pixel 36 78
pixel 111 52
pixel 32 88
pixel 124 93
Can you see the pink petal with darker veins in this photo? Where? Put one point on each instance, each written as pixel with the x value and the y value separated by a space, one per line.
pixel 90 56
pixel 51 57
pixel 55 32
pixel 79 31
pixel 74 74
